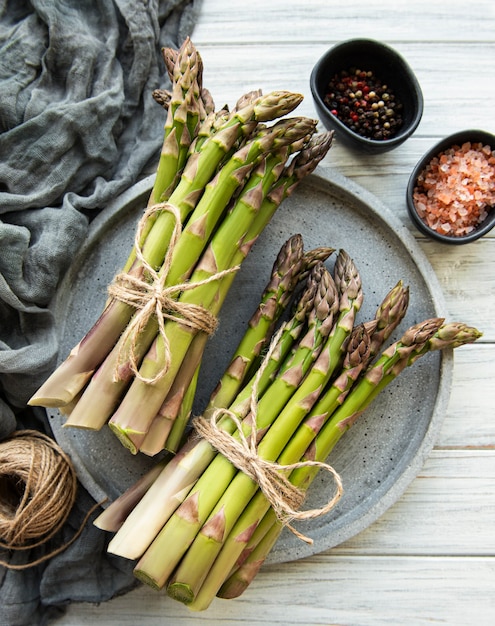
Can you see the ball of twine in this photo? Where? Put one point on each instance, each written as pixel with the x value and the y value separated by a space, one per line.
pixel 38 486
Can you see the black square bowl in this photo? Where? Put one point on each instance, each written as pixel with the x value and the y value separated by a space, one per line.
pixel 390 67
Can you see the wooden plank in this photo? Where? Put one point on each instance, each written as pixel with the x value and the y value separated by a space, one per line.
pixel 448 510
pixel 472 398
pixel 448 105
pixel 467 277
pixel 327 590
pixel 318 21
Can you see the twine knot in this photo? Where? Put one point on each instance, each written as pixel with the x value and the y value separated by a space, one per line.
pixel 151 298
pixel 271 477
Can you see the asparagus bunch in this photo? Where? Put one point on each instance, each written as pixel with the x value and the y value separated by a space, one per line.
pixel 202 525
pixel 220 178
pixel 186 467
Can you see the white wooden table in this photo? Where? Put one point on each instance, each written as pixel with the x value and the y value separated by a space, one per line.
pixel 431 557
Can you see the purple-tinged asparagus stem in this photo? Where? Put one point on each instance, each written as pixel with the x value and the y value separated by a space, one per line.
pixel 215 480
pixel 184 469
pixel 274 300
pixel 115 515
pixel 72 375
pixel 416 342
pixel 130 425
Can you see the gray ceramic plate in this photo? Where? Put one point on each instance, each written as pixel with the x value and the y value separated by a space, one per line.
pixel 386 448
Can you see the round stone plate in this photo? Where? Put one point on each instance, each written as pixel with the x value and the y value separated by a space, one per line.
pixel 387 446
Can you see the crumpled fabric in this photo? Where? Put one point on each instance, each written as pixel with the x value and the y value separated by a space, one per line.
pixel 78 126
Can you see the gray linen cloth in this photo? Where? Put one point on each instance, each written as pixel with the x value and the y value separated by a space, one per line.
pixel 78 125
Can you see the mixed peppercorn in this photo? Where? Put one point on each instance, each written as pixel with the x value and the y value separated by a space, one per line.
pixel 364 104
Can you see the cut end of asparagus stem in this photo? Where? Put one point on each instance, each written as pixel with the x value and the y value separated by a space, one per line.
pixel 124 438
pixel 49 402
pixel 69 424
pixel 181 592
pixel 55 396
pixel 147 580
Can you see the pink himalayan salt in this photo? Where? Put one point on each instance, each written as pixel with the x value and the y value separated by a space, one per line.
pixel 456 190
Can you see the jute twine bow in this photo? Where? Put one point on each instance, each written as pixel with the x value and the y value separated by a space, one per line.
pixel 151 298
pixel 38 486
pixel 271 477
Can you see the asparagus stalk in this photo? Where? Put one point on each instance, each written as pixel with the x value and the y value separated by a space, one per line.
pixel 275 298
pixel 177 435
pixel 114 516
pixel 182 528
pixel 144 522
pixel 131 426
pixel 157 437
pixel 240 579
pixel 72 375
pixel 417 341
pixel 183 117
pixel 105 390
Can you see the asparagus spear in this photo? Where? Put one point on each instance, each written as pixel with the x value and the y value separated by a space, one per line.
pixel 277 293
pixel 183 117
pixel 242 576
pixel 143 523
pixel 158 435
pixel 105 390
pixel 72 375
pixel 114 516
pixel 177 435
pixel 389 315
pixel 183 526
pixel 417 341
